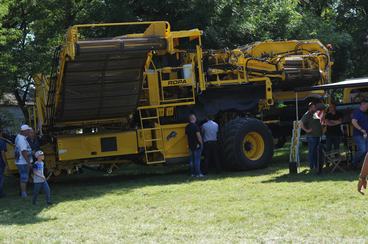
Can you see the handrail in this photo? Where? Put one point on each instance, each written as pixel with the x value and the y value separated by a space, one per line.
pixel 122 24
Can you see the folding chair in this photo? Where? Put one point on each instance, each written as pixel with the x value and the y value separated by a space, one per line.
pixel 334 159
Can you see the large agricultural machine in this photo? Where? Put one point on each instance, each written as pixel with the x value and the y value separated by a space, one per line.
pixel 127 98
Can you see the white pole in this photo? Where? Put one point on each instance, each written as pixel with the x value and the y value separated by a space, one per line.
pixel 297 106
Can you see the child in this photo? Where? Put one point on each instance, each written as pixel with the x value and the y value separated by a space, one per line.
pixel 39 179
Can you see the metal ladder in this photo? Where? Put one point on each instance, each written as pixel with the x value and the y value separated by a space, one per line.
pixel 153 145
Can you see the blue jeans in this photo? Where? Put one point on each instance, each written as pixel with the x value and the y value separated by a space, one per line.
pixel 313 143
pixel 362 148
pixel 37 188
pixel 195 161
pixel 2 169
pixel 23 172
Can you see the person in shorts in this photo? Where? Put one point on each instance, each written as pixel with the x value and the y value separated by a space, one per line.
pixel 23 157
pixel 39 179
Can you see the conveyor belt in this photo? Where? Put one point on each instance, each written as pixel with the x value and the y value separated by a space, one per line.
pixel 105 79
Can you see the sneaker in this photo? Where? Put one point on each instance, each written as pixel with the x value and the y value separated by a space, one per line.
pixel 24 194
pixel 200 176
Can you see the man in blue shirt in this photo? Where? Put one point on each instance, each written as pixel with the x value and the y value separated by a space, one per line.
pixel 210 130
pixel 360 129
pixel 2 163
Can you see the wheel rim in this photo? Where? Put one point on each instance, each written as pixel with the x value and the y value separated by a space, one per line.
pixel 253 146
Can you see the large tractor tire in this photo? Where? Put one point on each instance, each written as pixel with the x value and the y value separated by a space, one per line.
pixel 247 143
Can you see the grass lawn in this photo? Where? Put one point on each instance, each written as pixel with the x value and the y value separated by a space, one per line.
pixel 265 205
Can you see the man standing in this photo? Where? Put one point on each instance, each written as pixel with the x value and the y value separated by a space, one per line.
pixel 195 146
pixel 333 121
pixel 210 131
pixel 23 157
pixel 2 163
pixel 311 124
pixel 360 129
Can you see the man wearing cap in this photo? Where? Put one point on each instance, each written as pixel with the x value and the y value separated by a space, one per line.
pixel 360 129
pixel 311 124
pixel 23 157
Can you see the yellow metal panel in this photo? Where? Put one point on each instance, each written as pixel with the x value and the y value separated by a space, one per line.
pixel 154 91
pixel 11 167
pixel 177 82
pixel 169 111
pixel 156 29
pixel 269 91
pixel 90 146
pixel 147 135
pixel 161 112
pixel 175 140
pixel 194 33
pixel 202 84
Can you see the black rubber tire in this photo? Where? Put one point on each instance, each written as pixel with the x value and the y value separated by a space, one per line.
pixel 231 138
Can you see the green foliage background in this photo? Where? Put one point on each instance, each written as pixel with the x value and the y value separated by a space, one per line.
pixel 31 29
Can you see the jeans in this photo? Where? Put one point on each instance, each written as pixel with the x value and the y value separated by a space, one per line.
pixel 313 143
pixel 23 172
pixel 2 169
pixel 211 157
pixel 37 188
pixel 362 148
pixel 332 142
pixel 195 161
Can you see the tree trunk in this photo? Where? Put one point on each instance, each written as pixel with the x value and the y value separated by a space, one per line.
pixel 22 104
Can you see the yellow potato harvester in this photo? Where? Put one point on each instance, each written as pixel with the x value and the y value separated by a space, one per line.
pixel 111 100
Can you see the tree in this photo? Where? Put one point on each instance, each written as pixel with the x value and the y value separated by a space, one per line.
pixel 31 29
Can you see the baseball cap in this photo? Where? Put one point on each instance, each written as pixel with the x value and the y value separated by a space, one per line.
pixel 38 153
pixel 25 127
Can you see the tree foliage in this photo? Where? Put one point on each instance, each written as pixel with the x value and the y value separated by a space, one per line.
pixel 31 29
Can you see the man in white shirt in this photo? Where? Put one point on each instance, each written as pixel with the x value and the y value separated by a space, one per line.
pixel 23 157
pixel 210 130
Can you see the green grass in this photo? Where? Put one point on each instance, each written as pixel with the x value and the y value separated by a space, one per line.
pixel 257 206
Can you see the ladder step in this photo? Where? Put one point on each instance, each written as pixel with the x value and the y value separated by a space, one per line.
pixel 146 118
pixel 148 129
pixel 157 139
pixel 156 162
pixel 154 151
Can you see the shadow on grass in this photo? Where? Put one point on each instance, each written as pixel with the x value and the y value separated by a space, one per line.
pixel 20 212
pixel 309 176
pixel 14 210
